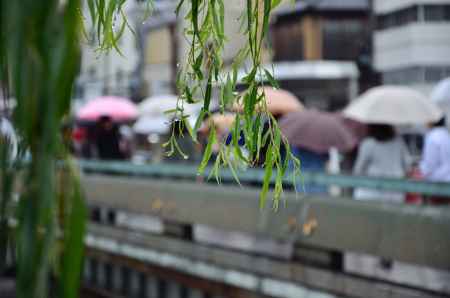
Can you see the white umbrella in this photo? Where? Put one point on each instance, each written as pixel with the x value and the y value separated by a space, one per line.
pixel 441 95
pixel 157 105
pixel 394 105
pixel 153 117
pixel 158 125
pixel 148 125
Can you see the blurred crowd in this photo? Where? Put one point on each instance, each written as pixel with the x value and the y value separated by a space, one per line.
pixel 388 131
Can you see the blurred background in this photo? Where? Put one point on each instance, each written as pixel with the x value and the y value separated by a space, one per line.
pixel 364 101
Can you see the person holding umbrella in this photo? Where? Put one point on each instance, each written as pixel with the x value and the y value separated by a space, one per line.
pixel 108 139
pixel 101 117
pixel 383 153
pixel 279 102
pixel 312 135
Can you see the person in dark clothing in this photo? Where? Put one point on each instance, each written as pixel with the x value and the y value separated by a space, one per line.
pixel 108 139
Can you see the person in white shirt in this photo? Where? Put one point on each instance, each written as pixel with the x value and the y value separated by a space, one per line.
pixel 435 163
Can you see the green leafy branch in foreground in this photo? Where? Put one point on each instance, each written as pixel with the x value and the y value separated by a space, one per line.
pixel 204 69
pixel 39 59
pixel 40 56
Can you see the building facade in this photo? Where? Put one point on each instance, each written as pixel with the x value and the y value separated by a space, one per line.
pixel 109 72
pixel 145 63
pixel 412 41
pixel 324 34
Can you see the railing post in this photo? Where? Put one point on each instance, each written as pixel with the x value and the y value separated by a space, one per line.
pixel 178 230
pixel 325 258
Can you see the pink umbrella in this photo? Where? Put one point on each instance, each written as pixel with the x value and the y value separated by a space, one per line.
pixel 317 131
pixel 118 108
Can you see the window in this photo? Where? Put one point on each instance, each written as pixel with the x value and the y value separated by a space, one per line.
pixel 344 39
pixel 398 18
pixel 417 74
pixel 287 40
pixel 402 17
pixel 436 13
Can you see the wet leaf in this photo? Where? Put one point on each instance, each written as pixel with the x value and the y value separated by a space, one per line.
pixel 208 150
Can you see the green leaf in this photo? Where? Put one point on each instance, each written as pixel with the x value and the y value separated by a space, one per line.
pixel 265 26
pixel 217 23
pixel 199 121
pixel 208 150
pixel 216 168
pixel 74 246
pixel 188 95
pixel 194 15
pixel 275 3
pixel 231 167
pixel 171 111
pixel 180 4
pixel 179 150
pixel 268 169
pixel 222 18
pixel 271 79
pixel 197 66
pixel 92 12
pixel 208 92
pixel 249 79
pixel 228 92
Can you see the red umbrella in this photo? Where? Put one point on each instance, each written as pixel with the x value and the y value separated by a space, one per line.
pixel 118 108
pixel 317 131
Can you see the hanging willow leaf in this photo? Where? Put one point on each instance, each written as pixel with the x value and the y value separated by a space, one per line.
pixel 208 150
pixel 271 79
pixel 267 178
pixel 74 235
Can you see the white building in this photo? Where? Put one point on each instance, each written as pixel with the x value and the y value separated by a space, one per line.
pixel 412 41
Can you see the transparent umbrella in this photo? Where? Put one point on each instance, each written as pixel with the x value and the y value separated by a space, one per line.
pixel 393 105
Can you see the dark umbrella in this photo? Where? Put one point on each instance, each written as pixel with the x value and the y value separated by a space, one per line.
pixel 317 131
pixel 358 129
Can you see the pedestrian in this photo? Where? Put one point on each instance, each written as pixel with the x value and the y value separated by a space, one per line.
pixel 435 163
pixel 311 161
pixel 107 139
pixel 382 154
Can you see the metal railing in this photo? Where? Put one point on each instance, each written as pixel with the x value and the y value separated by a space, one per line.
pixel 189 172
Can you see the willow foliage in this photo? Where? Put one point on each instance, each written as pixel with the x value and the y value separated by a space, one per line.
pixel 40 52
pixel 204 69
pixel 39 59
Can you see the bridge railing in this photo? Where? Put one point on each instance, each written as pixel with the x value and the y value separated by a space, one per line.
pixel 344 224
pixel 319 228
pixel 255 176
